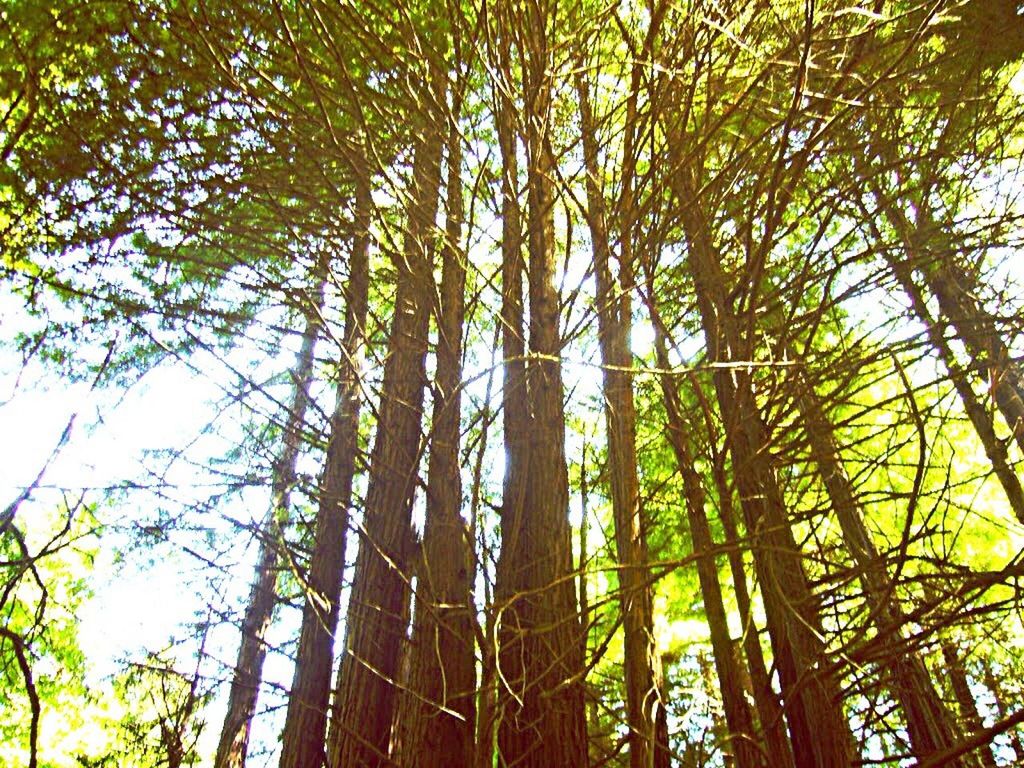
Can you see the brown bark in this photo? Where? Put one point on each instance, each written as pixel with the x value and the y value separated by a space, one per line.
pixel 982 738
pixel 583 588
pixel 306 720
pixel 955 290
pixel 965 701
pixel 956 293
pixel 486 717
pixel 252 651
pixel 663 757
pixel 928 722
pixel 614 313
pixel 515 416
pixel 540 660
pixel 818 729
pixel 749 750
pixel 439 726
pixel 590 704
pixel 487 701
pixel 720 732
pixel 766 700
pixel 743 742
pixel 980 417
pixel 366 694
pixel 995 685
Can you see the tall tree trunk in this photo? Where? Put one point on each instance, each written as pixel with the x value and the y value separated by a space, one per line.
pixel 252 651
pixel 975 327
pixel 818 729
pixel 743 743
pixel 540 656
pixel 306 720
pixel 514 396
pixel 965 701
pixel 515 416
pixel 364 702
pixel 981 418
pixel 995 684
pixel 928 722
pixel 590 705
pixel 956 292
pixel 614 316
pixel 766 700
pixel 439 727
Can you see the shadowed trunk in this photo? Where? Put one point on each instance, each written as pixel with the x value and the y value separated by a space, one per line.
pixel 614 314
pixel 540 656
pixel 818 728
pixel 928 722
pixel 995 684
pixel 743 743
pixel 306 720
pixel 438 725
pixel 956 292
pixel 975 327
pixel 969 714
pixel 364 703
pixel 252 651
pixel 981 417
pixel 766 700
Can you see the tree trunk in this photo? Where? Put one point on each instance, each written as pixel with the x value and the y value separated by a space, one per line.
pixel 540 655
pixel 956 291
pixel 965 701
pixel 766 700
pixel 614 313
pixel 980 417
pixel 366 695
pixel 818 729
pixel 439 725
pixel 252 651
pixel 306 720
pixel 928 722
pixel 995 684
pixel 743 743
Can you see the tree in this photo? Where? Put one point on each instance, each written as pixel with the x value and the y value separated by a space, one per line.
pixel 439 718
pixel 306 725
pixel 252 650
pixel 614 312
pixel 378 605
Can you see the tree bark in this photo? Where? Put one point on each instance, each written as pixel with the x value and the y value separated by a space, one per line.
pixel 540 660
pixel 818 729
pixel 956 293
pixel 366 694
pixel 965 701
pixel 252 652
pixel 995 684
pixel 928 722
pixel 614 316
pixel 955 290
pixel 979 416
pixel 306 719
pixel 766 700
pixel 743 742
pixel 439 727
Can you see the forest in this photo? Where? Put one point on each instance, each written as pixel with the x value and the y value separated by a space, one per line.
pixel 541 383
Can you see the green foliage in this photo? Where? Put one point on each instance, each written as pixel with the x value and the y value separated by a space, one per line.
pixel 44 581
